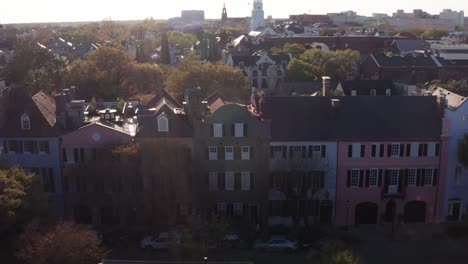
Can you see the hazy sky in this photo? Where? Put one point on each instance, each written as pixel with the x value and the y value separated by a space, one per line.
pixel 20 11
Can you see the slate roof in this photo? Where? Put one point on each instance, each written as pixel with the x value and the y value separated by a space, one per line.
pixel 355 118
pixel 410 61
pixel 410 44
pixel 453 63
pixel 363 87
pixel 41 110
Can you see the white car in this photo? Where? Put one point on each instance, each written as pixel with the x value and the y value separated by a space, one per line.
pixel 277 245
pixel 163 242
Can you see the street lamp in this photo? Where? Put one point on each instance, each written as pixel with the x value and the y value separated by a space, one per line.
pixel 348 202
pixel 205 259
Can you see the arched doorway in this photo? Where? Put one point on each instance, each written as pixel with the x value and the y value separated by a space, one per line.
pixel 390 211
pixel 366 214
pixel 415 212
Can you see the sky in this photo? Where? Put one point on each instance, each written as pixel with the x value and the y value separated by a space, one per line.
pixel 26 11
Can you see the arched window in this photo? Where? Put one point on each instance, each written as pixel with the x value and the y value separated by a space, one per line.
pixel 25 122
pixel 163 123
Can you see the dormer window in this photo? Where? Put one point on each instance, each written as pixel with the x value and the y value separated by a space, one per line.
pixel 25 122
pixel 163 123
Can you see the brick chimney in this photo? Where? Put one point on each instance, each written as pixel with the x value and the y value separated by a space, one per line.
pixel 326 83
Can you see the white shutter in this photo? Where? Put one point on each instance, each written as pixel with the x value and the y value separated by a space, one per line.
pixel 239 130
pixel 431 149
pixel 414 149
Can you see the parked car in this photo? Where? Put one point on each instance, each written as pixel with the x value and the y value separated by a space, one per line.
pixel 278 245
pixel 164 241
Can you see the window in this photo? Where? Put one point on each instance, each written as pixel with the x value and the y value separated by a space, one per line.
pixel 218 130
pixel 458 176
pixel 414 150
pixel 433 149
pixel 355 178
pixel 245 181
pixel 229 153
pixel 25 122
pixel 373 92
pixel 43 147
pixel 245 155
pixel 373 177
pixel 28 146
pixel 422 150
pixel 356 150
pixel 163 123
pixel 388 92
pixel 395 150
pixel 13 146
pixel 229 181
pixel 213 181
pixel 411 177
pixel 239 130
pixel 212 153
pixel 221 208
pixel 428 177
pixel 237 209
pixel 393 181
pixel 353 93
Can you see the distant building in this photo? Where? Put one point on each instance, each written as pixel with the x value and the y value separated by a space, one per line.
pixel 422 20
pixel 258 16
pixel 193 16
pixel 457 17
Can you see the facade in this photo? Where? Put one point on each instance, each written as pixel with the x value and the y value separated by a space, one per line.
pixel 258 15
pixel 457 17
pixel 264 72
pixel 456 127
pixel 30 139
pixel 390 165
pixel 231 156
pixel 302 161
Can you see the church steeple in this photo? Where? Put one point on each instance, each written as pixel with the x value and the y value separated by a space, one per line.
pixel 258 16
pixel 224 16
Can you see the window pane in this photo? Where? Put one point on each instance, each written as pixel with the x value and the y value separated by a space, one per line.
pixel 229 182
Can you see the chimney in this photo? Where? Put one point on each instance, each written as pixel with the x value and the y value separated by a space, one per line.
pixel 442 104
pixel 326 82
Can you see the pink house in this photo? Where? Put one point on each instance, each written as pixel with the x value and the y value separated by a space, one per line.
pixel 390 159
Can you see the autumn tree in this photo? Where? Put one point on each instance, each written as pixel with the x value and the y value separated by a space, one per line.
pixel 294 49
pixel 143 78
pixel 63 243
pixel 229 82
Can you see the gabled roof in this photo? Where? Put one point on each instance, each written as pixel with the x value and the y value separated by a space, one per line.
pixel 363 87
pixel 46 105
pixel 454 101
pixel 157 99
pixel 215 101
pixel 409 44
pixel 410 61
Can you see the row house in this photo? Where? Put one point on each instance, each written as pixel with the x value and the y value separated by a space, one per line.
pixel 389 160
pixel 303 154
pixel 231 147
pixel 29 136
pixel 455 129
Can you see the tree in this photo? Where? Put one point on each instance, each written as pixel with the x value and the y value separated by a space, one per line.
pixel 327 32
pixel 21 199
pixel 165 56
pixel 143 78
pixel 63 243
pixel 435 34
pixel 229 82
pixel 294 49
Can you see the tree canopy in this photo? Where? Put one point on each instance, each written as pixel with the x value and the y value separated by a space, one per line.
pixel 294 49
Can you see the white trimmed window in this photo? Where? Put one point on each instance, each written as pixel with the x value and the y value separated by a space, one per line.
pixel 213 153
pixel 213 181
pixel 70 155
pixel 245 181
pixel 43 146
pixel 237 209
pixel 229 153
pixel 373 176
pixel 28 146
pixel 217 130
pixel 414 150
pixel 229 181
pixel 25 122
pixel 163 123
pixel 221 208
pixel 411 177
pixel 13 146
pixel 395 150
pixel 428 177
pixel 239 130
pixel 356 150
pixel 393 181
pixel 245 153
pixel 355 178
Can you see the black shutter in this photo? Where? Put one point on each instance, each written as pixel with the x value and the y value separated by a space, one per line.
pixel 245 130
pixel 381 150
pixel 363 151
pixel 237 181
pixel 285 152
pixel 64 155
pixel 207 153
pixel 322 179
pixel 223 129
pixel 291 152
pixel 51 180
pixel 408 150
pixel 19 144
pixel 310 151
pixel 251 152
pixel 304 152
pixel 406 177
pixel 435 177
pixel 400 180
pixel 380 177
pixel 233 130
pixel 361 178
pixel 425 150
pixel 389 150
pixel 402 150
pixel 350 151
pixel 324 151
pixel 82 156
pixel 221 153
pixel 374 150
pixel 252 181
pixel 75 154
pixel 35 147
pixel 211 130
pixel 420 150
pixel 367 178
pixel 387 172
pixel 221 182
pixel 348 179
pixel 272 151
pixel 418 177
pixel 437 149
